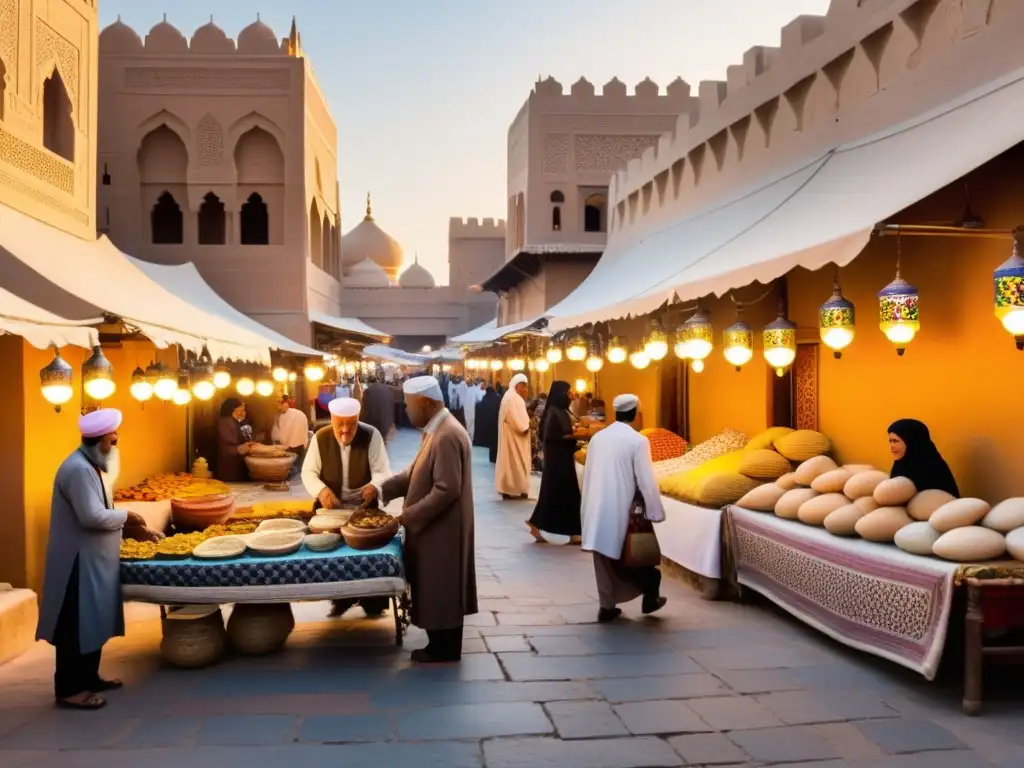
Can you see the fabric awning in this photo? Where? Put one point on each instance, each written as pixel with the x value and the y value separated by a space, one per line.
pixel 822 211
pixel 491 331
pixel 41 328
pixel 392 355
pixel 346 324
pixel 185 281
pixel 98 274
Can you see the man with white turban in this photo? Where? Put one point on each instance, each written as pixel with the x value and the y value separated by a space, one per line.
pixel 346 462
pixel 437 513
pixel 81 607
pixel 619 469
pixel 512 472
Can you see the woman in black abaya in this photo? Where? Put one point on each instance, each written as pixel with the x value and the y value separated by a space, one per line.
pixel 556 518
pixel 917 458
pixel 485 433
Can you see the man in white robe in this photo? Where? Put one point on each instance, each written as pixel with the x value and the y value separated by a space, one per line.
pixel 618 465
pixel 512 470
pixel 473 396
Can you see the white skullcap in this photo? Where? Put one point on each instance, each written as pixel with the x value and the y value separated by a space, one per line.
pixel 624 403
pixel 424 386
pixel 519 378
pixel 344 407
pixel 99 423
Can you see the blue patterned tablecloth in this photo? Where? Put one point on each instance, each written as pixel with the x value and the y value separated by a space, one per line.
pixel 303 567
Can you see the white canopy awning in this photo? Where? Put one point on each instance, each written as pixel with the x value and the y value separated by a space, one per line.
pixel 185 281
pixel 346 324
pixel 392 355
pixel 98 274
pixel 491 331
pixel 818 213
pixel 41 328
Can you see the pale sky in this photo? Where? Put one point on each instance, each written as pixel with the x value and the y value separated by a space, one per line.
pixel 423 91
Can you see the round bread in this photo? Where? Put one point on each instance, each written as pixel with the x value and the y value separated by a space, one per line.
pixel 1005 516
pixel 843 521
pixel 856 469
pixel 970 544
pixel 832 481
pixel 958 513
pixel 1015 543
pixel 882 524
pixel 814 511
pixel 763 498
pixel 866 504
pixel 764 464
pixel 789 505
pixel 788 482
pixel 864 483
pixel 812 468
pixel 281 524
pixel 924 504
pixel 322 542
pixel 803 444
pixel 916 538
pixel 895 492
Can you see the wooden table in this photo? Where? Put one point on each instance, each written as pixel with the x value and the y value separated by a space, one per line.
pixel 992 604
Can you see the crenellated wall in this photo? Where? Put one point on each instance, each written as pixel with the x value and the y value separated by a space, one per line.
pixel 866 65
pixel 476 249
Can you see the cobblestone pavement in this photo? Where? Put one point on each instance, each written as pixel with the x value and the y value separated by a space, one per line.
pixel 541 685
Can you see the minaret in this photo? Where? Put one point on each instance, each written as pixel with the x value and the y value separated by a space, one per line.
pixel 369 209
pixel 294 40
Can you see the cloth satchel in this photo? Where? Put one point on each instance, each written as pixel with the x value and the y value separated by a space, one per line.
pixel 640 549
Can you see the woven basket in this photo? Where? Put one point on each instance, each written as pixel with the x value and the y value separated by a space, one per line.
pixel 255 629
pixel 270 470
pixel 193 638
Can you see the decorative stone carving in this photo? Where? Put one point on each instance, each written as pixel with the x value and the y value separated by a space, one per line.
pixel 210 141
pixel 50 46
pixel 806 397
pixel 202 78
pixel 556 153
pixel 36 162
pixel 27 190
pixel 9 37
pixel 610 123
pixel 608 153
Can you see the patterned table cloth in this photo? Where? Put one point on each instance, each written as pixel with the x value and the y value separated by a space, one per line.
pixel 345 572
pixel 873 597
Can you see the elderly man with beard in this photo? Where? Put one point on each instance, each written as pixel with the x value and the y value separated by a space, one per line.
pixel 81 607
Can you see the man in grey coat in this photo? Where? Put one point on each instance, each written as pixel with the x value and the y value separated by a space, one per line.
pixel 81 607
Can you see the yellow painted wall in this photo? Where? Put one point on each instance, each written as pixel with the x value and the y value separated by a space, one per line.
pixel 152 440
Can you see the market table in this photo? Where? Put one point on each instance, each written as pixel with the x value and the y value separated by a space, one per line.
pixel 304 575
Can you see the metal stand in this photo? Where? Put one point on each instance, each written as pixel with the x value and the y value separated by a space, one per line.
pixel 400 610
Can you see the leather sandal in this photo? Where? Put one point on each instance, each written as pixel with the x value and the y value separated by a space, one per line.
pixel 93 701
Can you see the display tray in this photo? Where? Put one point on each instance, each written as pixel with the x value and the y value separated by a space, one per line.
pixel 302 567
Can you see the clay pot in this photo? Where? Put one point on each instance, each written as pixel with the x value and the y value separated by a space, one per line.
pixel 361 538
pixel 270 469
pixel 202 512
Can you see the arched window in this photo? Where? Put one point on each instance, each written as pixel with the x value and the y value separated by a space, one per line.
pixel 212 221
pixel 255 221
pixel 166 222
pixel 594 213
pixel 315 238
pixel 557 197
pixel 58 129
pixel 556 219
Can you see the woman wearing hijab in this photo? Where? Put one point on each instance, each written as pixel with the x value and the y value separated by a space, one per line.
pixel 486 431
pixel 232 442
pixel 916 457
pixel 556 518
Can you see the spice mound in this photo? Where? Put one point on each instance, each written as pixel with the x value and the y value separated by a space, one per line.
pixel 371 522
pixel 138 550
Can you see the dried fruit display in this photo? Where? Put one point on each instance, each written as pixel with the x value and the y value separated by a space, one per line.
pixel 177 486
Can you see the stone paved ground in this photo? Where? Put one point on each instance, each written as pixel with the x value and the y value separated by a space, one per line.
pixel 541 685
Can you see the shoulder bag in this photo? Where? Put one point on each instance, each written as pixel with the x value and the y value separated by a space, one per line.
pixel 640 549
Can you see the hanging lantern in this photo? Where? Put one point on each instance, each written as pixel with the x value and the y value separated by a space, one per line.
pixel 470 365
pixel 202 381
pixel 350 369
pixel 898 312
pixel 497 365
pixel 221 376
pixel 738 340
pixel 166 383
pixel 836 321
pixel 245 386
pixel 656 345
pixel 594 361
pixel 697 366
pixel 554 355
pixel 182 395
pixel 617 351
pixel 98 375
pixel 541 365
pixel 581 386
pixel 280 374
pixel 293 376
pixel 313 372
pixel 56 381
pixel 577 350
pixel 516 364
pixel 779 338
pixel 141 389
pixel 1009 284
pixel 681 349
pixel 699 335
pixel 639 360
pixel 264 385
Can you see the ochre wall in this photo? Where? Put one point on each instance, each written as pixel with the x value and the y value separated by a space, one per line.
pixel 152 440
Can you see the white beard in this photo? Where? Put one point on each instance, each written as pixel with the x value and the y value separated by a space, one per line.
pixel 111 474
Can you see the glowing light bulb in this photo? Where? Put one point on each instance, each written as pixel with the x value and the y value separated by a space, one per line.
pixel 639 360
pixel 166 385
pixel 141 391
pixel 182 397
pixel 577 350
pixel 595 363
pixel 313 372
pixel 222 378
pixel 245 386
pixel 554 355
pixel 697 366
pixel 541 364
pixel 280 374
pixel 203 389
pixel 264 388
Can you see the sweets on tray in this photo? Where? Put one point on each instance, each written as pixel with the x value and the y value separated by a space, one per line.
pixel 176 486
pixel 138 550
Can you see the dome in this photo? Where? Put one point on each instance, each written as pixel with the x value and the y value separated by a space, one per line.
pixel 368 241
pixel 120 38
pixel 367 274
pixel 210 38
pixel 258 38
pixel 165 38
pixel 416 276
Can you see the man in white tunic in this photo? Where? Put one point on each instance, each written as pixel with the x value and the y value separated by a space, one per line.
pixel 291 430
pixel 618 466
pixel 512 470
pixel 346 462
pixel 473 395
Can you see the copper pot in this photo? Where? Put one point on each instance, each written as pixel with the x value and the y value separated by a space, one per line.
pixel 202 512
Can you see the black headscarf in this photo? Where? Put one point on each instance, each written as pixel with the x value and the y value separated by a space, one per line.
pixel 922 462
pixel 227 408
pixel 557 407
